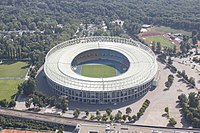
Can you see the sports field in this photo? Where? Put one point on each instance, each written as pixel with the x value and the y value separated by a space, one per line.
pixel 98 71
pixel 13 69
pixel 10 70
pixel 164 29
pixel 163 41
pixel 8 88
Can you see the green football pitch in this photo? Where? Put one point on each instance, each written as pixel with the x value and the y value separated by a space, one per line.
pixel 13 69
pixel 163 41
pixel 8 88
pixel 98 71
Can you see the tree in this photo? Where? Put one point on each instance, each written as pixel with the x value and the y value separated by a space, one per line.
pixel 27 104
pixel 20 90
pixel 108 111
pixel 153 47
pixel 139 114
pixel 124 117
pixel 3 103
pixel 134 117
pixel 52 101
pixel 111 117
pixel 118 116
pixel 192 81
pixel 193 100
pixel 158 47
pixel 167 111
pixel 12 103
pixel 171 78
pixel 196 122
pixel 98 112
pixel 174 49
pixel 128 110
pixel 172 122
pixel 194 40
pixel 86 113
pixel 64 103
pixel 37 101
pixel 92 117
pixel 98 117
pixel 104 117
pixel 168 84
pixel 60 129
pixel 183 98
pixel 129 118
pixel 28 86
pixel 169 62
pixel 76 113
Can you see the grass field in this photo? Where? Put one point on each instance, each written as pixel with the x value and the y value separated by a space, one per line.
pixel 163 41
pixel 98 71
pixel 164 29
pixel 8 88
pixel 13 69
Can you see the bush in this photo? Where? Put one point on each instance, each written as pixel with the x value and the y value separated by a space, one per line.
pixel 134 117
pixel 118 116
pixel 8 121
pixel 172 122
pixel 104 117
pixel 112 117
pixel 92 117
pixel 108 111
pixel 76 113
pixel 12 104
pixel 143 108
pixel 124 117
pixel 3 103
pixel 86 112
pixel 167 110
pixel 128 110
pixel 98 117
pixel 129 118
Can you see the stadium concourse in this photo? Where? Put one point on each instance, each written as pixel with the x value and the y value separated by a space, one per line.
pixel 139 67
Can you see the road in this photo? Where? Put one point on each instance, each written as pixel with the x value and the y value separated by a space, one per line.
pixel 40 117
pixel 74 122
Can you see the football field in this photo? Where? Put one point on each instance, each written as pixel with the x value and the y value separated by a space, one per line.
pixel 163 41
pixel 8 88
pixel 12 74
pixel 98 71
pixel 13 69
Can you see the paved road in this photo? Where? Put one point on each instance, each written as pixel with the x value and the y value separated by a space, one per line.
pixel 73 122
pixel 40 117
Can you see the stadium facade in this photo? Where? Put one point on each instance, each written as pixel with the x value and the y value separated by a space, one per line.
pixel 137 60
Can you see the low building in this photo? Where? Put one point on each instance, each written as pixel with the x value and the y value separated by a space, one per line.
pixel 146 26
pixel 143 30
pixel 118 22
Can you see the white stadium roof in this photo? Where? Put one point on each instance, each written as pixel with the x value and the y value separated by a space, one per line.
pixel 142 69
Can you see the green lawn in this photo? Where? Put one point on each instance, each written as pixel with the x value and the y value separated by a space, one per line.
pixel 8 88
pixel 164 29
pixel 163 41
pixel 13 69
pixel 98 71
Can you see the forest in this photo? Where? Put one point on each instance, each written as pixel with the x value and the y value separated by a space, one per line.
pixel 39 20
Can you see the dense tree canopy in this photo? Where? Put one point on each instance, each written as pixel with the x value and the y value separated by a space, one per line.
pixel 48 22
pixel 191 108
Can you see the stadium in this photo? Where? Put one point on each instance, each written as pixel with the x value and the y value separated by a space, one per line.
pixel 100 70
